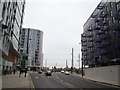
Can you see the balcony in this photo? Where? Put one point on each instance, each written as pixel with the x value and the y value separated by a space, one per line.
pixel 83 40
pixel 98 40
pixel 97 27
pixel 102 14
pixel 97 53
pixel 103 28
pixel 117 16
pixel 103 36
pixel 89 35
pixel 117 45
pixel 90 46
pixel 101 23
pixel 99 33
pixel 116 27
pixel 100 45
pixel 83 35
pixel 105 43
pixel 91 40
pixel 104 58
pixel 100 6
pixel 97 19
pixel 89 57
pixel 103 51
pixel 90 29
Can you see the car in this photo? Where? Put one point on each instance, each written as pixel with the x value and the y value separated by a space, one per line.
pixel 48 73
pixel 67 73
pixel 62 71
pixel 40 71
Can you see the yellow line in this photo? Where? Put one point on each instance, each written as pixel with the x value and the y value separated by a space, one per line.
pixel 31 83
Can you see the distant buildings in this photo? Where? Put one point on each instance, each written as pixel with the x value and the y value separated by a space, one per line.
pixel 11 15
pixel 101 36
pixel 31 42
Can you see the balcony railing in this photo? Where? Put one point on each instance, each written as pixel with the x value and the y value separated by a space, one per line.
pixel 83 40
pixel 103 28
pixel 90 29
pixel 89 35
pixel 115 27
pixel 98 33
pixel 103 14
pixel 98 40
pixel 104 58
pixel 103 51
pixel 97 27
pixel 103 36
pixel 101 23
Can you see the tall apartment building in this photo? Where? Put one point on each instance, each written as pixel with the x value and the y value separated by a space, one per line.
pixel 31 42
pixel 11 15
pixel 101 36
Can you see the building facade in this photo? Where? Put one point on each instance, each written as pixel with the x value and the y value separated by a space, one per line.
pixel 31 43
pixel 12 16
pixel 101 36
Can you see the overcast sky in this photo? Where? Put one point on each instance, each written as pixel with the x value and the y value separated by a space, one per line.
pixel 62 24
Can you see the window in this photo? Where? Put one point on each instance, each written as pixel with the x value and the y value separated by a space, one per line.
pixel 111 14
pixel 113 19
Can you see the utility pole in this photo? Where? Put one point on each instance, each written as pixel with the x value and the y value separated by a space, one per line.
pixel 66 64
pixel 72 62
pixel 79 60
pixel 45 63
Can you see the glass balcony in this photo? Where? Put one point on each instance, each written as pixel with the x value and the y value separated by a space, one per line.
pixel 105 43
pixel 98 40
pixel 97 19
pixel 97 27
pixel 98 33
pixel 97 53
pixel 90 29
pixel 102 14
pixel 103 36
pixel 89 35
pixel 103 28
pixel 83 35
pixel 103 51
pixel 100 6
pixel 83 40
pixel 91 40
pixel 99 45
pixel 116 27
pixel 104 58
pixel 117 16
pixel 117 45
pixel 101 23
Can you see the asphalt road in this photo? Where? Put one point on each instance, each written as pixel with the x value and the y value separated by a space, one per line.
pixel 72 81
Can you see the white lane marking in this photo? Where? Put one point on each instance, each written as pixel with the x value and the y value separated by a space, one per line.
pixel 69 84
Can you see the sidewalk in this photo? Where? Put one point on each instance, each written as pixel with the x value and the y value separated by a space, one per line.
pixel 14 81
pixel 84 77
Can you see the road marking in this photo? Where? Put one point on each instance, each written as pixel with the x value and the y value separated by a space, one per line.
pixel 69 84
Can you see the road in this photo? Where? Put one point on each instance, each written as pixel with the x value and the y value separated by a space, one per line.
pixel 72 81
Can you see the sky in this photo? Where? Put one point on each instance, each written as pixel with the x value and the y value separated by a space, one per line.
pixel 62 24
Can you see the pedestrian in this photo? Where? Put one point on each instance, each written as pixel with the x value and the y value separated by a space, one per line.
pixel 14 71
pixel 20 72
pixel 25 71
